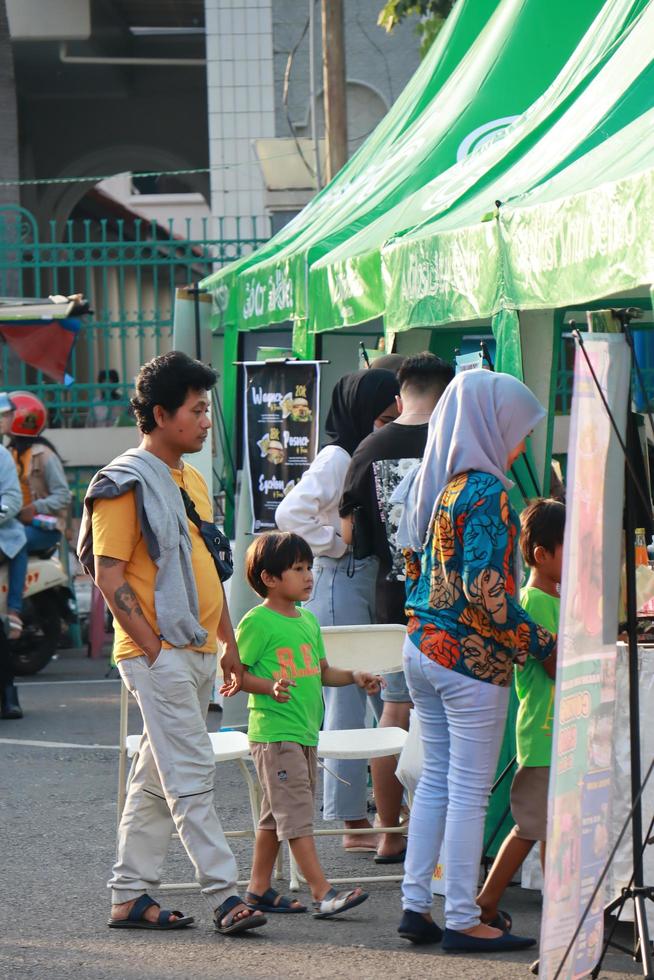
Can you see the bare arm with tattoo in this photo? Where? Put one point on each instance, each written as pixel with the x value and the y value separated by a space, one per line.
pixel 120 597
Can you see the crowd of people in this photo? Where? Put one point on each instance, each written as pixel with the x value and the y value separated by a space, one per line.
pixel 403 516
pixel 34 502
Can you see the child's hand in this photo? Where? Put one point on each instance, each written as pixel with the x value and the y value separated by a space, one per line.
pixel 371 683
pixel 280 689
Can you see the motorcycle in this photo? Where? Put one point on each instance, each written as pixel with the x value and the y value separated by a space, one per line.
pixel 47 603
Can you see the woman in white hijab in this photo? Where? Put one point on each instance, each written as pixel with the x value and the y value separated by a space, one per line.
pixel 465 629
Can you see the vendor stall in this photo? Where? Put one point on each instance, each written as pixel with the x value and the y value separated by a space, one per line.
pixel 519 191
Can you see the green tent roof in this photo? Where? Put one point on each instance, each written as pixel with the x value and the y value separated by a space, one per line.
pixel 513 52
pixel 452 44
pixel 593 95
pixel 577 213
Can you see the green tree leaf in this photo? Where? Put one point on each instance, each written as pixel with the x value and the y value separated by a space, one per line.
pixel 432 14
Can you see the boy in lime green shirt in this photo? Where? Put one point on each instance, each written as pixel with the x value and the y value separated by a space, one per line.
pixel 541 543
pixel 282 650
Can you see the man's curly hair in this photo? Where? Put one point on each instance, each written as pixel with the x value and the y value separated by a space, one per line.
pixel 166 380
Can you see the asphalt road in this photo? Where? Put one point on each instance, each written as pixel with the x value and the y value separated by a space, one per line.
pixel 58 815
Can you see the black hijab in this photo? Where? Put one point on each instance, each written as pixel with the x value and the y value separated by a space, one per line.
pixel 357 400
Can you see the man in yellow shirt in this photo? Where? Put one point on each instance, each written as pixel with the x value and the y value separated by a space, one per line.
pixel 160 582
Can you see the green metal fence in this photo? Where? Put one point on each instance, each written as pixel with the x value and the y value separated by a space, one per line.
pixel 129 270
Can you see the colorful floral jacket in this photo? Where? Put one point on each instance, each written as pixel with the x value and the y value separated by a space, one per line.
pixel 461 590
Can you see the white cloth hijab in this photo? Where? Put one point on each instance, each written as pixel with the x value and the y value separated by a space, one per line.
pixel 480 418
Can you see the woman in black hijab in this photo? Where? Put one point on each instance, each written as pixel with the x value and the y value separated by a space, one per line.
pixel 359 403
pixel 343 591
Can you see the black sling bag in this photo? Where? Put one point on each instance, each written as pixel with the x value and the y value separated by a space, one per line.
pixel 217 543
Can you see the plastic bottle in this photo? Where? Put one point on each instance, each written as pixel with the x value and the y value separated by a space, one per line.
pixel 642 558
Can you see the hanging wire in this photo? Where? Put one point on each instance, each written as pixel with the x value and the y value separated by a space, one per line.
pixel 96 178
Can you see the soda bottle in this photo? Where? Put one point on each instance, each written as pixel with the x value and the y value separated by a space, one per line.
pixel 642 558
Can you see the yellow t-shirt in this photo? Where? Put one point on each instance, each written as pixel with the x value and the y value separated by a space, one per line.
pixel 117 534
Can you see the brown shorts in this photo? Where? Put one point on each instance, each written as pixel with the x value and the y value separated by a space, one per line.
pixel 529 802
pixel 287 773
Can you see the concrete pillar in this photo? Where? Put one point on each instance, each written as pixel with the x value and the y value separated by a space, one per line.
pixel 9 154
pixel 241 106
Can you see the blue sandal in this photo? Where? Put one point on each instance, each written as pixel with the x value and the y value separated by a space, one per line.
pixel 227 911
pixel 272 901
pixel 135 918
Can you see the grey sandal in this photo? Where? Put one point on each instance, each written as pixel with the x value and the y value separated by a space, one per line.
pixel 335 902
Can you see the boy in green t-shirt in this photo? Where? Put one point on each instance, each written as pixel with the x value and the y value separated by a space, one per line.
pixel 282 650
pixel 541 543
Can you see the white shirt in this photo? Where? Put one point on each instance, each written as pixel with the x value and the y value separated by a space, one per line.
pixel 311 508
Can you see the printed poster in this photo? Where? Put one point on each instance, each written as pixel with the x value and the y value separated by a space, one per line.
pixel 281 431
pixel 580 782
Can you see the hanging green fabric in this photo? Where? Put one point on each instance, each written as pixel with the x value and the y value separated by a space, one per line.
pixel 508 359
pixel 304 342
pixel 506 331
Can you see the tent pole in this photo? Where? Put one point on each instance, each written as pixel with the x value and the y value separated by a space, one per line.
pixel 312 93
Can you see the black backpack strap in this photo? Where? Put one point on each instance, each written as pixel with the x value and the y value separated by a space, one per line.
pixel 189 507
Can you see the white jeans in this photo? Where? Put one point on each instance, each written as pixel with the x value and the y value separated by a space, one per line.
pixel 172 785
pixel 462 722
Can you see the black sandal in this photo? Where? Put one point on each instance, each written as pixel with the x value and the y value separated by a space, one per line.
pixel 135 918
pixel 272 901
pixel 253 920
pixel 501 921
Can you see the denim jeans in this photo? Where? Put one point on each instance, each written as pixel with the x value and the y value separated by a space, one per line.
pixel 341 601
pixel 462 722
pixel 40 539
pixel 16 573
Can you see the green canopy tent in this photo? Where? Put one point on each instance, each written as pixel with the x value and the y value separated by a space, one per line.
pixel 346 284
pixel 453 43
pixel 511 61
pixel 600 136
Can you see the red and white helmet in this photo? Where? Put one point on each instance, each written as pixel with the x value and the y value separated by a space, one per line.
pixel 30 416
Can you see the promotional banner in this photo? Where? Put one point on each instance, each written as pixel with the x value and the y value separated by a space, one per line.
pixel 580 780
pixel 281 431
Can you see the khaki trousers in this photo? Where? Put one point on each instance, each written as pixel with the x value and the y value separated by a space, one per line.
pixel 172 785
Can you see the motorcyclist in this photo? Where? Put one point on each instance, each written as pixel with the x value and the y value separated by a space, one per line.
pixel 45 492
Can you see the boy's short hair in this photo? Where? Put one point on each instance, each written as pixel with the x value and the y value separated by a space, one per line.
pixel 424 373
pixel 166 380
pixel 542 523
pixel 274 552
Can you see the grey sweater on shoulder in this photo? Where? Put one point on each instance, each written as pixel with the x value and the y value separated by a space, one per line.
pixel 164 526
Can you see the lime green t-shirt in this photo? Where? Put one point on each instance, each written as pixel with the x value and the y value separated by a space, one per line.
pixel 273 645
pixel 534 688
